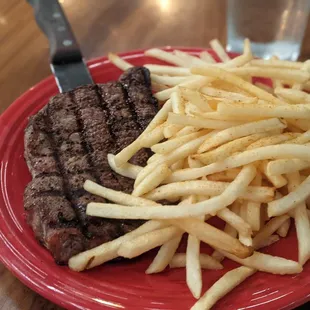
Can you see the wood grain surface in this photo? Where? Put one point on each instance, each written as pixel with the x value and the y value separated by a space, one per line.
pixel 100 26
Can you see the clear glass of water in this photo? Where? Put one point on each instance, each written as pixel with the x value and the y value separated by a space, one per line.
pixel 275 27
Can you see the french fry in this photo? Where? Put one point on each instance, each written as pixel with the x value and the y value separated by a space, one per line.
pixel 164 255
pixel 230 231
pixel 190 60
pixel 168 249
pixel 302 222
pixel 285 166
pixel 206 262
pixel 268 230
pixel 219 50
pixel 170 130
pixel 244 158
pixel 194 163
pixel 282 231
pixel 193 267
pixel 274 73
pixel 209 188
pixel 223 286
pixel 148 137
pixel 238 223
pixel 271 140
pixel 205 56
pixel 116 196
pixel 225 150
pixel 186 131
pixel 127 170
pixel 170 80
pixel 267 263
pixel 177 103
pixel 213 236
pixel 300 111
pixel 239 131
pixel 277 63
pixel 178 165
pixel 269 241
pixel 214 92
pixel 172 144
pixel 196 98
pixel 236 81
pixel 253 216
pixel 108 251
pixel 211 206
pixel 165 56
pixel 290 201
pixel 224 176
pixel 199 122
pixel 152 180
pixel 276 180
pixel 119 62
pixel 150 240
pixel 293 95
pixel 168 70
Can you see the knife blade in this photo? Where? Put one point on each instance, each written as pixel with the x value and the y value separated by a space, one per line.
pixel 66 59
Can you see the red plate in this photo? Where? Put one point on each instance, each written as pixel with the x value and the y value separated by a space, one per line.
pixel 115 285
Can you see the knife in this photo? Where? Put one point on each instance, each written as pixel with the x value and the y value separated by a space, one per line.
pixel 66 59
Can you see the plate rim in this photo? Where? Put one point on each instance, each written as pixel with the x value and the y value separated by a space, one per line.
pixel 303 295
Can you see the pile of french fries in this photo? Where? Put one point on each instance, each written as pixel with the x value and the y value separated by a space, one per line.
pixel 223 146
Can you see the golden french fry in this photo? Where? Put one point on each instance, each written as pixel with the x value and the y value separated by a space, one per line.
pixel 150 240
pixel 165 56
pixel 190 60
pixel 170 80
pixel 277 63
pixel 225 150
pixel 209 188
pixel 172 144
pixel 236 81
pixel 224 176
pixel 164 255
pixel 300 111
pixel 268 230
pixel 214 92
pixel 116 196
pixel 168 70
pixel 244 158
pixel 206 262
pixel 213 236
pixel 274 73
pixel 219 50
pixel 285 166
pixel 267 263
pixel 290 201
pixel 127 170
pixel 177 103
pixel 193 267
pixel 282 231
pixel 199 122
pixel 276 180
pixel 211 206
pixel 119 62
pixel 206 57
pixel 271 140
pixel 108 251
pixel 301 222
pixel 160 173
pixel 269 241
pixel 223 286
pixel 239 131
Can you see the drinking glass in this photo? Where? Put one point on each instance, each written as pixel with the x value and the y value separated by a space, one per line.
pixel 275 27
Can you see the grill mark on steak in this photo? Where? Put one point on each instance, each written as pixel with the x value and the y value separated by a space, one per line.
pixel 48 211
pixel 66 143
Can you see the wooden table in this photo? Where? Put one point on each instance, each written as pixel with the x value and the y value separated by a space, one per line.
pixel 100 26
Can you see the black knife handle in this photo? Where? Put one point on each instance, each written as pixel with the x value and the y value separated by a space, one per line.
pixel 53 22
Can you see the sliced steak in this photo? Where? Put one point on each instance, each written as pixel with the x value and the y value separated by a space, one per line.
pixel 66 143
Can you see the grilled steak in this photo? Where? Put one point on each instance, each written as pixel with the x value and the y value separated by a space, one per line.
pixel 66 143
